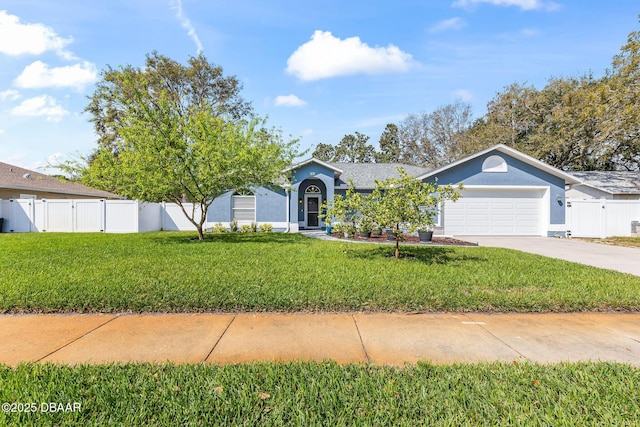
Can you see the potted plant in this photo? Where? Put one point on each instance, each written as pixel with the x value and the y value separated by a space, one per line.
pixel 425 233
pixel 365 230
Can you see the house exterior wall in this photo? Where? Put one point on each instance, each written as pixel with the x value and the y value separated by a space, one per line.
pixel 518 174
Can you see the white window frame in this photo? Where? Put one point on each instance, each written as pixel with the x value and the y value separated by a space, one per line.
pixel 234 209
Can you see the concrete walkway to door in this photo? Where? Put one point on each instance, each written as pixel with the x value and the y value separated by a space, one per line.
pixel 626 260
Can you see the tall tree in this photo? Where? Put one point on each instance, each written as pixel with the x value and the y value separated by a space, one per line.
pixel 353 148
pixel 171 143
pixel 389 145
pixel 324 152
pixel 434 139
pixel 199 84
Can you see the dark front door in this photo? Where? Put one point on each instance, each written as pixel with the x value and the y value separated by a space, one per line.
pixel 313 209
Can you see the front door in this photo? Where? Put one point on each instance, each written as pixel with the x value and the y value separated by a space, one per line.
pixel 313 209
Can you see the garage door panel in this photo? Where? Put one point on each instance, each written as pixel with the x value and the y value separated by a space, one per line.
pixel 495 212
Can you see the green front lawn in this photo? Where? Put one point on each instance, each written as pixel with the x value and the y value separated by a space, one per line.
pixel 172 272
pixel 290 394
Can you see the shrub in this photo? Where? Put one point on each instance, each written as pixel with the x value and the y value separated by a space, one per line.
pixel 254 227
pixel 218 228
pixel 234 226
pixel 266 228
pixel 246 228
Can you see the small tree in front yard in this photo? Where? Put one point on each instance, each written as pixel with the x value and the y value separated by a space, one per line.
pixel 345 209
pixel 406 203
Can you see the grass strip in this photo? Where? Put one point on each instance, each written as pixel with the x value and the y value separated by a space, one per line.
pixel 172 272
pixel 325 394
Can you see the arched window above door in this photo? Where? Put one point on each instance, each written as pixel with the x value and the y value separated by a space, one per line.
pixel 312 189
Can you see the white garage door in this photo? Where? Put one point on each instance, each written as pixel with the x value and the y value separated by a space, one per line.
pixel 495 212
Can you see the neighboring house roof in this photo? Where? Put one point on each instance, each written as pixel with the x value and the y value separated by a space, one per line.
pixel 569 179
pixel 612 182
pixel 364 175
pixel 18 178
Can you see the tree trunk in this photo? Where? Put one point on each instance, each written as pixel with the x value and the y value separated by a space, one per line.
pixel 397 230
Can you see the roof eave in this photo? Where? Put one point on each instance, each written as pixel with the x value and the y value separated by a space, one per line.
pixel 569 179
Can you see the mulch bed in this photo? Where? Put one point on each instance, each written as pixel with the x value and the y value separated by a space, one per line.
pixel 408 238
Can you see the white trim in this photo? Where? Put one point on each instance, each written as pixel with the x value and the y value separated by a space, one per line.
pixel 569 179
pixel 494 164
pixel 313 160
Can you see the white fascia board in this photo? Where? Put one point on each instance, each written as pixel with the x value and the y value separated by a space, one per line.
pixel 569 179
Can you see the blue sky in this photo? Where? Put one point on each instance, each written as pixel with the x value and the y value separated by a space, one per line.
pixel 318 70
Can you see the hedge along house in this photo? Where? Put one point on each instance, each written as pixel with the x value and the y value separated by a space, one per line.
pixel 506 193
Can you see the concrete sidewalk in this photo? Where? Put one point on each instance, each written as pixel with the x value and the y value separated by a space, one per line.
pixel 383 339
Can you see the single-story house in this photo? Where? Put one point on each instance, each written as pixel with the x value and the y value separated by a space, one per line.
pixel 506 193
pixel 615 185
pixel 20 183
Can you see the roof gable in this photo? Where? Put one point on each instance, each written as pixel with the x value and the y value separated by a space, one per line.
pixel 569 179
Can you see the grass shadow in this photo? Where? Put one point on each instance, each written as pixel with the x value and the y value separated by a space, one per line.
pixel 260 238
pixel 426 255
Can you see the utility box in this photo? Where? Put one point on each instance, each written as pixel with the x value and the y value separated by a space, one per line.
pixel 635 228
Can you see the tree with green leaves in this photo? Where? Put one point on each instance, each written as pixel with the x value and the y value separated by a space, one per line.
pixel 170 134
pixel 353 148
pixel 324 152
pixel 389 145
pixel 407 204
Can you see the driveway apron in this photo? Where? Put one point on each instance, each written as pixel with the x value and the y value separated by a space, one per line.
pixel 625 260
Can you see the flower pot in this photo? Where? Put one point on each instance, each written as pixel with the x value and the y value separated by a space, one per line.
pixel 328 229
pixel 425 236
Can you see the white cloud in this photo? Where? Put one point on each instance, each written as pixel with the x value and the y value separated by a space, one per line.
pixel 463 95
pixel 455 23
pixel 327 56
pixel 522 4
pixel 38 106
pixel 17 38
pixel 289 101
pixel 39 75
pixel 186 24
pixel 9 94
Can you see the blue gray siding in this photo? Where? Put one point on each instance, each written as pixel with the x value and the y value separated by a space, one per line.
pixel 518 173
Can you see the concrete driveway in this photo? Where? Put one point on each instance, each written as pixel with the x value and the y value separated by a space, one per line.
pixel 626 260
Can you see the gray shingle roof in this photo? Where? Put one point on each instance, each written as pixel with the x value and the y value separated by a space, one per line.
pixel 614 182
pixel 364 174
pixel 18 178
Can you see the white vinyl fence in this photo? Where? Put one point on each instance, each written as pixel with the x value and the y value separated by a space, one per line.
pixel 601 217
pixel 92 215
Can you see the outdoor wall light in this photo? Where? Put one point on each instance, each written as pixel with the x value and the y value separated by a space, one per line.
pixel 558 197
pixel 300 201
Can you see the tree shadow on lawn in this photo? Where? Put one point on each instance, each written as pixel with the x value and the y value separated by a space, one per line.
pixel 425 255
pixel 258 237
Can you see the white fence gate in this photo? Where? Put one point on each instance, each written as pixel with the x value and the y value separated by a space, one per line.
pixel 92 215
pixel 601 218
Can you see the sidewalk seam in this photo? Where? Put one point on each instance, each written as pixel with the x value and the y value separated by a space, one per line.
pixel 220 338
pixel 496 337
pixel 364 349
pixel 116 316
